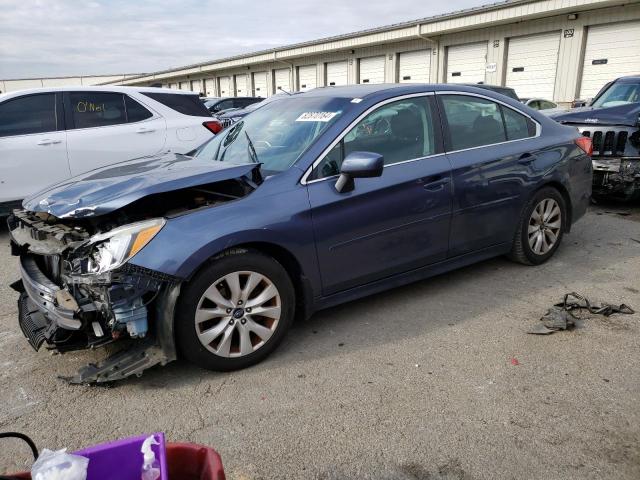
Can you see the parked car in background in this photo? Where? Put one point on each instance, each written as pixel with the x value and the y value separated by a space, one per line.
pixel 313 200
pixel 545 106
pixel 229 117
pixel 217 105
pixel 48 135
pixel 507 91
pixel 612 121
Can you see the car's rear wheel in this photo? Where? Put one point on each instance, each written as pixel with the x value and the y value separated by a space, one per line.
pixel 541 227
pixel 235 311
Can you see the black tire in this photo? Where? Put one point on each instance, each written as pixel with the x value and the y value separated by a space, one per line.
pixel 235 260
pixel 521 251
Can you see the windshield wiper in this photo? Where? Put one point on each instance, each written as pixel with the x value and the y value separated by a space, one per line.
pixel 251 148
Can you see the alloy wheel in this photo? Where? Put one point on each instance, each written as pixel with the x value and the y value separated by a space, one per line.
pixel 238 314
pixel 544 226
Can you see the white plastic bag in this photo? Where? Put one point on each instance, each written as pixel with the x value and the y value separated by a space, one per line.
pixel 59 465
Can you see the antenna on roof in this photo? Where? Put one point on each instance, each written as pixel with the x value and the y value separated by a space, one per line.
pixel 283 90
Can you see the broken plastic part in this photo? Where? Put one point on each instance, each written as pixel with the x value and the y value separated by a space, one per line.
pixel 560 316
pixel 150 470
pixel 134 316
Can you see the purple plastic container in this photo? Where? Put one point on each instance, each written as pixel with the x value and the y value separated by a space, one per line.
pixel 122 459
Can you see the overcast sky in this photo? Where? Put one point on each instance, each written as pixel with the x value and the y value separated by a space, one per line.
pixel 41 38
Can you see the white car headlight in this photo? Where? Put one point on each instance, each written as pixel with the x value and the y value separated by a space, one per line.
pixel 114 248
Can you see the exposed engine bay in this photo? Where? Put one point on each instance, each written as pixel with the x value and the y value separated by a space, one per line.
pixel 78 290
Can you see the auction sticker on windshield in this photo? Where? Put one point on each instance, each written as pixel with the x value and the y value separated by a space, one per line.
pixel 316 116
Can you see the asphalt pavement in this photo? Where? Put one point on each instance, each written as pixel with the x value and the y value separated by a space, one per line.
pixel 436 380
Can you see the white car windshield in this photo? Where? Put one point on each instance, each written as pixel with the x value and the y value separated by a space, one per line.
pixel 276 134
pixel 619 94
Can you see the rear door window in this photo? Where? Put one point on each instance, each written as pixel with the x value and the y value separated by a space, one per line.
pixel 186 104
pixel 475 122
pixel 97 109
pixel 472 121
pixel 28 115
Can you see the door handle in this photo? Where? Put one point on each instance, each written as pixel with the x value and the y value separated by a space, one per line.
pixel 48 141
pixel 436 185
pixel 527 158
pixel 145 130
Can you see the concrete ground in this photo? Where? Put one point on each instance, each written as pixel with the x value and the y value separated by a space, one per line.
pixel 437 380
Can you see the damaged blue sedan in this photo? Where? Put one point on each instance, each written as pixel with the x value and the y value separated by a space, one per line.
pixel 312 201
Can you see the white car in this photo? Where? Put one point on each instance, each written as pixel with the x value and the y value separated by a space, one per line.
pixel 50 134
pixel 543 106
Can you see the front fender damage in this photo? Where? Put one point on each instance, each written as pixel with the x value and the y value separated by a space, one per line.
pixel 144 355
pixel 131 308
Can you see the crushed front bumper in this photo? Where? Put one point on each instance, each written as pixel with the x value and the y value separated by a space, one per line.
pixel 52 301
pixel 616 177
pixel 49 313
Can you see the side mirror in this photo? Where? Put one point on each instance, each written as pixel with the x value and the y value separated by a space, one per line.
pixel 359 165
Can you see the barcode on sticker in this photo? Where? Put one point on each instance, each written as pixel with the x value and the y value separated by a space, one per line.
pixel 316 116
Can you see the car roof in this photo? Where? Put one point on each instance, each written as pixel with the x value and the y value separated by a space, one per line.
pixel 394 89
pixel 96 88
pixel 630 78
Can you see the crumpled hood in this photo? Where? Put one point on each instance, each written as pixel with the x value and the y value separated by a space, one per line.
pixel 106 189
pixel 618 115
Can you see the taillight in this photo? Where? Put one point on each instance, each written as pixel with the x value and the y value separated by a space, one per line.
pixel 585 144
pixel 213 126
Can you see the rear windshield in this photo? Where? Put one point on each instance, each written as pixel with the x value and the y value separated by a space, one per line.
pixel 185 104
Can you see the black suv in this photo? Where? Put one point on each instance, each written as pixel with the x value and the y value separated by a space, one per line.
pixel 612 120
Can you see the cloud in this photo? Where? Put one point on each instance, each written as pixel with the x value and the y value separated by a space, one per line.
pixel 66 37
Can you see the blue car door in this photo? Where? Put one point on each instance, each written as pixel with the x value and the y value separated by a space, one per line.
pixel 492 149
pixel 388 224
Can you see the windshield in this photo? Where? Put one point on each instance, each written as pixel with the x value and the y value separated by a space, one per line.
pixel 277 134
pixel 619 94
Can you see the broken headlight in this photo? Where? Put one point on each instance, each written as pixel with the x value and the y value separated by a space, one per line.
pixel 113 248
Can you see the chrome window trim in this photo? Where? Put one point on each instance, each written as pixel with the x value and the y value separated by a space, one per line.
pixel 304 179
pixel 469 94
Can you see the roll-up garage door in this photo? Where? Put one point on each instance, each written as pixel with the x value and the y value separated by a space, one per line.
pixel 196 86
pixel 241 86
pixel 612 51
pixel 184 86
pixel 414 67
pixel 307 77
pixel 337 73
pixel 209 89
pixel 466 63
pixel 173 85
pixel 225 86
pixel 260 84
pixel 371 70
pixel 282 78
pixel 532 63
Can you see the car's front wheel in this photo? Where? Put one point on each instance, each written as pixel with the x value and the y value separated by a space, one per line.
pixel 235 311
pixel 541 227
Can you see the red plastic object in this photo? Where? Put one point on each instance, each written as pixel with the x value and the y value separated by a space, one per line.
pixel 187 461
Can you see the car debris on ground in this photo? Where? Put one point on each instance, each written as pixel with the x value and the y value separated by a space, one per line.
pixel 561 316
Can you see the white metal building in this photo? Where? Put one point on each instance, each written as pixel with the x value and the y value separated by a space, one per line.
pixel 556 49
pixel 23 83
